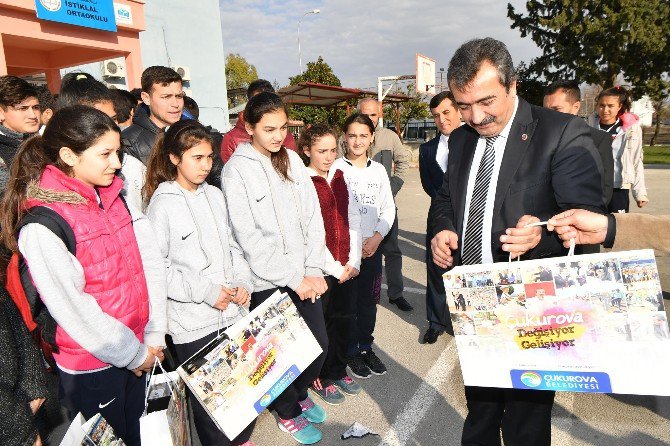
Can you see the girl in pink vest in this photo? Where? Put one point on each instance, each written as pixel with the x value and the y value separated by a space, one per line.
pixel 108 297
pixel 317 147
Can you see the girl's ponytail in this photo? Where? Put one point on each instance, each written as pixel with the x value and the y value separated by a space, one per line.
pixel 27 167
pixel 281 163
pixel 159 169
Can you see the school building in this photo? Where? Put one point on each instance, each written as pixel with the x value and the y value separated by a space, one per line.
pixel 114 40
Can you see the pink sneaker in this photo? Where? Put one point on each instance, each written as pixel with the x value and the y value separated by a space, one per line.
pixel 348 385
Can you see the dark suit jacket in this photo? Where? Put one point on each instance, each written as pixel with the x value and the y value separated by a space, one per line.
pixel 603 143
pixel 550 165
pixel 429 169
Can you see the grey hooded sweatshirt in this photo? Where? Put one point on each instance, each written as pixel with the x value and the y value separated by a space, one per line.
pixel 277 223
pixel 200 256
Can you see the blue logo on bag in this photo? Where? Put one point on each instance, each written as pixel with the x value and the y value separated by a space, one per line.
pixel 566 381
pixel 531 379
pixel 265 400
pixel 282 383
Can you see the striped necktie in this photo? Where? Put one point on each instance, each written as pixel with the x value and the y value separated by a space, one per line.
pixel 472 239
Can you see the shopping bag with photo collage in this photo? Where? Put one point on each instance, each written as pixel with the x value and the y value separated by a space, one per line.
pixel 587 323
pixel 237 375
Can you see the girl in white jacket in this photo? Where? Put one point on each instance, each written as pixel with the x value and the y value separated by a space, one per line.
pixel 614 118
pixel 209 281
pixel 371 188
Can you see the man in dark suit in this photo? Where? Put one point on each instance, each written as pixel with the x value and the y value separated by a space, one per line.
pixel 565 97
pixel 433 156
pixel 512 163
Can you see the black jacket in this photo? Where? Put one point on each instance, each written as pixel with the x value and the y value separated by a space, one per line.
pixel 9 146
pixel 214 177
pixel 21 377
pixel 550 165
pixel 140 137
pixel 429 169
pixel 603 143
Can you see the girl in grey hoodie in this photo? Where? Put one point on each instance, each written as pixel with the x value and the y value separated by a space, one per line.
pixel 209 282
pixel 276 219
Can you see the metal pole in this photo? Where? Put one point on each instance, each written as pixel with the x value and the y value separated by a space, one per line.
pixel 299 52
pixel 313 11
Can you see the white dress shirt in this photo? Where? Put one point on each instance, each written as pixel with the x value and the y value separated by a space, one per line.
pixel 499 147
pixel 442 154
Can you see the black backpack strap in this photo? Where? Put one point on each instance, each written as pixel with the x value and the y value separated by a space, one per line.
pixel 54 222
pixel 125 203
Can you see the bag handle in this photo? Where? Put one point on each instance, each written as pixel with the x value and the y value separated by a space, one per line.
pixel 151 376
pixel 571 251
pixel 223 318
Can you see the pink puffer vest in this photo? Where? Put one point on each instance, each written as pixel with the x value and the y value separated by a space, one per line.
pixel 107 250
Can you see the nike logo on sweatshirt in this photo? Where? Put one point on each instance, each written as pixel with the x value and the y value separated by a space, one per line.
pixel 184 237
pixel 102 406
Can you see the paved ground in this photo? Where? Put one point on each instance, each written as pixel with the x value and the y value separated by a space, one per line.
pixel 420 401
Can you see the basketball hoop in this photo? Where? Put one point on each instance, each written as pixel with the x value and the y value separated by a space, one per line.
pixel 425 74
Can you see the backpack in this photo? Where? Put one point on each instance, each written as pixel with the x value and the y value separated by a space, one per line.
pixel 20 286
pixel 19 283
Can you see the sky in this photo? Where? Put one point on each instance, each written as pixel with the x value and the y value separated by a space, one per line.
pixel 363 39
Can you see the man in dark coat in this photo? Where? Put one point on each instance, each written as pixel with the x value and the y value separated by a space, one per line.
pixel 511 165
pixel 163 97
pixel 433 157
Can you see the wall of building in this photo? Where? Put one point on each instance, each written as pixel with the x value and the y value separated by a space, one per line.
pixel 179 33
pixel 186 34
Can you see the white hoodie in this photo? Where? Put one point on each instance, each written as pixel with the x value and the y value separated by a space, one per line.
pixel 200 255
pixel 371 188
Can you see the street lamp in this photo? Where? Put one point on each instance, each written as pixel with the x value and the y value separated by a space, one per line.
pixel 313 11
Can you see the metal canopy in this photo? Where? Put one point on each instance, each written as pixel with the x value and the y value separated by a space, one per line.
pixel 319 95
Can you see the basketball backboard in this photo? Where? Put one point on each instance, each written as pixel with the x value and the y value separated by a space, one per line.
pixel 425 74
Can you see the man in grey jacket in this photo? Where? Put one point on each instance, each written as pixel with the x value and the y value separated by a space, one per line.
pixel 388 150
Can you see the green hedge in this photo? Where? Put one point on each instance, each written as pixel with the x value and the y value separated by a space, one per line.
pixel 656 155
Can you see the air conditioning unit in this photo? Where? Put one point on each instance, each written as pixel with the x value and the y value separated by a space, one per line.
pixel 184 72
pixel 111 68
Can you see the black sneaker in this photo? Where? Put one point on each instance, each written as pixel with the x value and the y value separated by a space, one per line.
pixel 402 304
pixel 373 362
pixel 358 367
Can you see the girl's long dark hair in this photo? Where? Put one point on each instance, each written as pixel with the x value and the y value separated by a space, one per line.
pixel 258 106
pixel 310 135
pixel 621 94
pixel 78 128
pixel 178 138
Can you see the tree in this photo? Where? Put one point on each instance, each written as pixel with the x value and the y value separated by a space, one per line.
pixel 596 40
pixel 658 90
pixel 239 74
pixel 528 85
pixel 415 108
pixel 321 73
